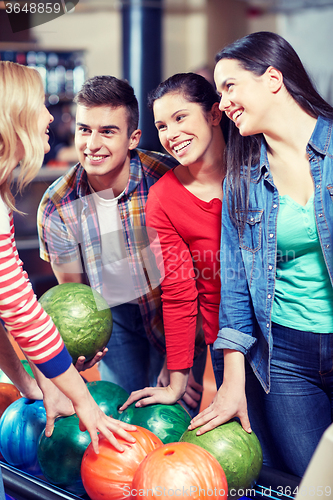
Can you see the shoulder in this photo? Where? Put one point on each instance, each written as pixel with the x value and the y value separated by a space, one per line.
pixel 155 164
pixel 64 189
pixel 165 186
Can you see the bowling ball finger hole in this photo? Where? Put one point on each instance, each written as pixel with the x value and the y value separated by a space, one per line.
pixel 171 452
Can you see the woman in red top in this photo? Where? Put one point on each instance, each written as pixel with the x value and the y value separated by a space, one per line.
pixel 24 139
pixel 184 209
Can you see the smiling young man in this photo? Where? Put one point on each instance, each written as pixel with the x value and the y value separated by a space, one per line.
pixel 91 226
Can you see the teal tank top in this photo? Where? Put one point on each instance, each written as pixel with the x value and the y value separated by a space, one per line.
pixel 303 297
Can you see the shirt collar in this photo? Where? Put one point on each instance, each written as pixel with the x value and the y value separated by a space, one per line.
pixel 321 136
pixel 135 177
pixel 135 174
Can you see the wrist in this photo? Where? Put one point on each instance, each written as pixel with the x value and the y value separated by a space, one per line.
pixel 178 382
pixel 234 368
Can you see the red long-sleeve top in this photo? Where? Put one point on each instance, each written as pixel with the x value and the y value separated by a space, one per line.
pixel 23 316
pixel 189 231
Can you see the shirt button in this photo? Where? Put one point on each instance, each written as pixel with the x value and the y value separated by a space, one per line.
pixel 320 215
pixel 270 267
pixel 267 325
pixel 327 246
pixel 318 186
pixel 275 205
pixel 269 296
pixel 271 235
pixel 252 219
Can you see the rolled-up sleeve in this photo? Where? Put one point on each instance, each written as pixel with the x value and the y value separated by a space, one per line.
pixel 236 315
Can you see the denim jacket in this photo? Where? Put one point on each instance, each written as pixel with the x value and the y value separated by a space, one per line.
pixel 248 262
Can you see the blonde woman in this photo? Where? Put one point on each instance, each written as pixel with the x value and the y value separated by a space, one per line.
pixel 24 139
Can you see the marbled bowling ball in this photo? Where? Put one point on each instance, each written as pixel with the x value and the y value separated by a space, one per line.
pixel 109 475
pixel 168 422
pixel 20 427
pixel 61 454
pixel 8 394
pixel 238 452
pixel 108 396
pixel 180 470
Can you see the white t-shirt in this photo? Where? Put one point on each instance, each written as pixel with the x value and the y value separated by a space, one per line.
pixel 118 287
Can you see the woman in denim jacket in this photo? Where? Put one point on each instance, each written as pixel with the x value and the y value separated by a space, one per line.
pixel 276 313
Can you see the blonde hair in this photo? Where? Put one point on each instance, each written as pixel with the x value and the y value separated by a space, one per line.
pixel 21 102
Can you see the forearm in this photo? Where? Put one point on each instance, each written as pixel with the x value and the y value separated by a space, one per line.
pixel 178 382
pixel 234 369
pixel 72 385
pixel 68 273
pixel 11 365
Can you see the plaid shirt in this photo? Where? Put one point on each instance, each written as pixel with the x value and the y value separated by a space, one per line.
pixel 69 231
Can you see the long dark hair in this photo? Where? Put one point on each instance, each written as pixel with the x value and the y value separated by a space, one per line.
pixel 255 53
pixel 195 88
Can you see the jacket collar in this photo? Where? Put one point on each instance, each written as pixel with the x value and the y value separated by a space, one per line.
pixel 321 136
pixel 320 141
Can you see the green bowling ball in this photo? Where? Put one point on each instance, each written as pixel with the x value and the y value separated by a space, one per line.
pixel 109 397
pixel 168 422
pixel 60 455
pixel 26 366
pixel 238 452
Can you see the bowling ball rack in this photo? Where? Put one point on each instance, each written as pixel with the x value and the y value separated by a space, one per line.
pixel 271 483
pixel 23 486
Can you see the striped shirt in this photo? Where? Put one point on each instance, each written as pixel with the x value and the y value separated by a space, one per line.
pixel 20 311
pixel 69 231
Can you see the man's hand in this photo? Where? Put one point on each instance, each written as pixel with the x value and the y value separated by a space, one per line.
pixel 82 365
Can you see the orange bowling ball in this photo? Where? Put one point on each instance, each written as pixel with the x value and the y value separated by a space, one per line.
pixel 182 470
pixel 8 394
pixel 110 473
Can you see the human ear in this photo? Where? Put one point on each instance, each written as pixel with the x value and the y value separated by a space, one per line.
pixel 135 139
pixel 274 78
pixel 216 113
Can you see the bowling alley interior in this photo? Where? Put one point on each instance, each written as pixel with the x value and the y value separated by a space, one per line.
pixel 143 42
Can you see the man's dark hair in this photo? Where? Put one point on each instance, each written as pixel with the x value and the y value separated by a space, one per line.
pixel 110 91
